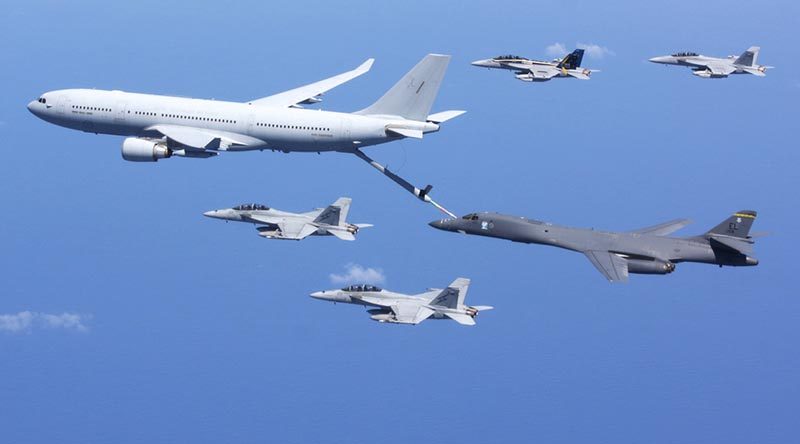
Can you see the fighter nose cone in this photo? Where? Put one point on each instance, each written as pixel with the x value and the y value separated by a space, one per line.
pixel 657 59
pixel 212 213
pixel 318 295
pixel 480 63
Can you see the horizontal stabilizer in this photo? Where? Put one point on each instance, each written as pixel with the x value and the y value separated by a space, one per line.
pixel 461 318
pixel 414 134
pixel 364 225
pixel 581 75
pixel 343 235
pixel 483 307
pixel 735 244
pixel 444 116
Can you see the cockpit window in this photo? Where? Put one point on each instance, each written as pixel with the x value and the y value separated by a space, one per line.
pixel 251 207
pixel 471 216
pixel 361 288
pixel 509 56
pixel 42 100
pixel 685 54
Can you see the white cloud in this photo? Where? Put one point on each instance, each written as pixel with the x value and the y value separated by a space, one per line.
pixel 556 50
pixel 356 274
pixel 595 51
pixel 26 321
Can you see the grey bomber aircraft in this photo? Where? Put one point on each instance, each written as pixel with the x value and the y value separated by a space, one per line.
pixel 617 254
pixel 276 224
pixel 400 308
pixel 529 70
pixel 715 67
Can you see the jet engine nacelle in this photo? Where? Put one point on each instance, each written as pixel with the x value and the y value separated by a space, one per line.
pixel 143 150
pixel 640 266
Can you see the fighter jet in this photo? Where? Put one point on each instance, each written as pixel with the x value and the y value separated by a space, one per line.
pixel 617 254
pixel 714 67
pixel 398 308
pixel 276 224
pixel 529 70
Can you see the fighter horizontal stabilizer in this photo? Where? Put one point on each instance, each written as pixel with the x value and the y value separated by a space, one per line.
pixel 444 116
pixel 461 318
pixel 580 75
pixel 734 244
pixel 405 132
pixel 364 225
pixel 613 267
pixel 664 229
pixel 309 93
pixel 343 235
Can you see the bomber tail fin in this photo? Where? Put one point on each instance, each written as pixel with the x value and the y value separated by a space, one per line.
pixel 738 225
pixel 412 97
pixel 336 213
pixel 572 60
pixel 749 57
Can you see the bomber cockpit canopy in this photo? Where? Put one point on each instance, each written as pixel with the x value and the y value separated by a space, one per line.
pixel 361 288
pixel 250 207
pixel 509 56
pixel 685 54
pixel 471 216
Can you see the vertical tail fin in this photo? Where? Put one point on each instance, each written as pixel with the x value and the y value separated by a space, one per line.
pixel 412 97
pixel 335 214
pixel 738 225
pixel 749 57
pixel 572 60
pixel 453 296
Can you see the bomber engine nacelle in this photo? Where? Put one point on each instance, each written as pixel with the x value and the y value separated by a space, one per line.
pixel 143 150
pixel 641 266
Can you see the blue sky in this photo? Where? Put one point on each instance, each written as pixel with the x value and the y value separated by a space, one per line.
pixel 191 330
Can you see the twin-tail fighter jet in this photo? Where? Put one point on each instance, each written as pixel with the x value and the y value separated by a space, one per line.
pixel 618 254
pixel 398 308
pixel 529 70
pixel 715 67
pixel 159 127
pixel 276 224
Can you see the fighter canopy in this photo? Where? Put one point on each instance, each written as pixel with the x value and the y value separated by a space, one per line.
pixel 251 207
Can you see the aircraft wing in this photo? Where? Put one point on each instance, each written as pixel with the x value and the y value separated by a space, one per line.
pixel 309 93
pixel 296 229
pixel 665 228
pixel 720 69
pixel 201 138
pixel 613 267
pixel 410 312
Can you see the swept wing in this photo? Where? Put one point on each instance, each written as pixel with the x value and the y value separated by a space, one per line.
pixel 664 229
pixel 613 267
pixel 309 93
